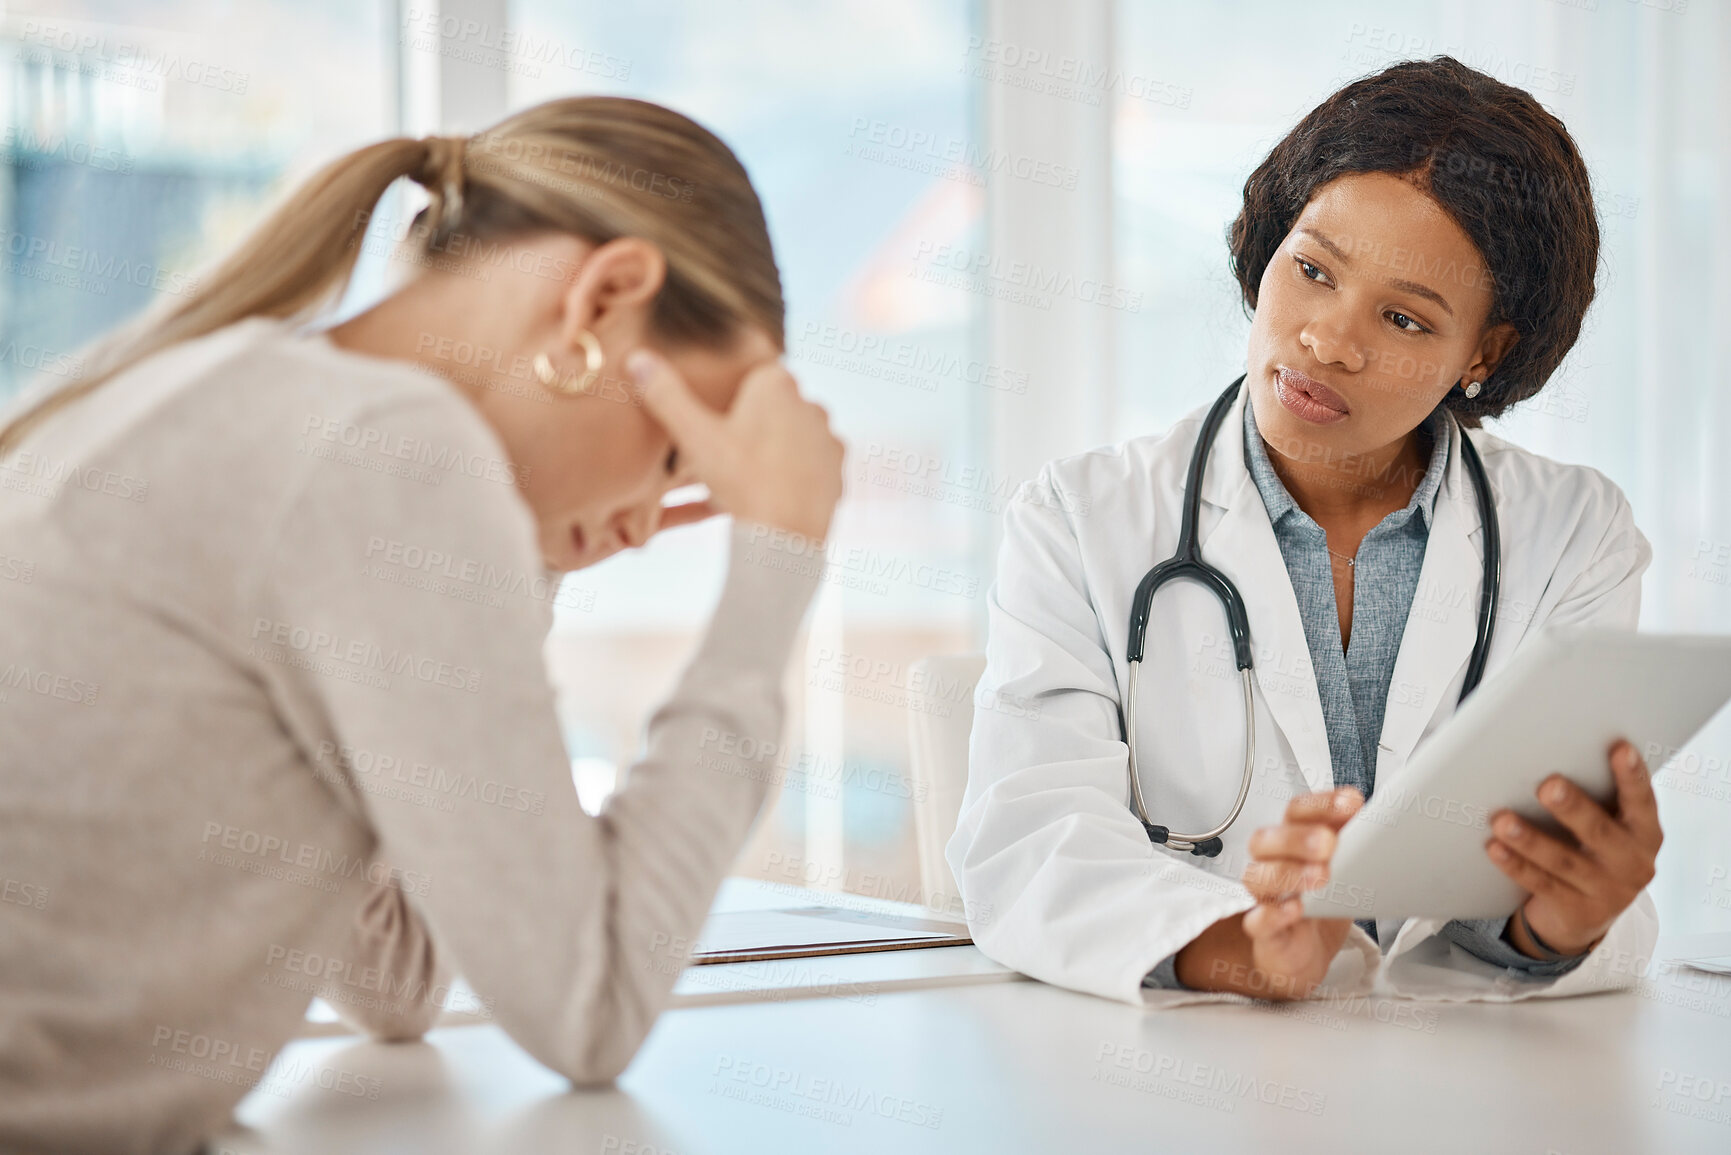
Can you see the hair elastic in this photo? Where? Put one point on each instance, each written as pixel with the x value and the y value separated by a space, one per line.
pixel 443 176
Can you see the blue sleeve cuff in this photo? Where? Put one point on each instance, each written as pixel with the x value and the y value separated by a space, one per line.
pixel 1165 975
pixel 1483 938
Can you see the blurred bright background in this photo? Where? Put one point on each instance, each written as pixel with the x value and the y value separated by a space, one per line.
pixel 912 155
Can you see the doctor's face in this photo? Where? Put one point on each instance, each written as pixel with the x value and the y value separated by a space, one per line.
pixel 1369 312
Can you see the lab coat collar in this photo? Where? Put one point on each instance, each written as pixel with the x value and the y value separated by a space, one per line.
pixel 1439 632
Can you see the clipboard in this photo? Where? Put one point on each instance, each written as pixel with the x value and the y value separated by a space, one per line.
pixel 1712 966
pixel 814 931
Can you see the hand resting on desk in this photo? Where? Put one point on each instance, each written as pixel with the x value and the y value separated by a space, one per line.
pixel 1272 951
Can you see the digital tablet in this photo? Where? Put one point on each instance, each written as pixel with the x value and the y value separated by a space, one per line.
pixel 1417 847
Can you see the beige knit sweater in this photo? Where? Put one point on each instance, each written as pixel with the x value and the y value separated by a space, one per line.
pixel 274 721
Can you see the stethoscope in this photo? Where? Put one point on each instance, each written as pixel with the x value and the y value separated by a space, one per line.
pixel 1187 563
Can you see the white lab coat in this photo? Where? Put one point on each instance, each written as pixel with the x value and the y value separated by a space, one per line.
pixel 1063 882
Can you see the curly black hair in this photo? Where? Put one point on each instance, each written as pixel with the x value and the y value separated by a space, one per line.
pixel 1505 169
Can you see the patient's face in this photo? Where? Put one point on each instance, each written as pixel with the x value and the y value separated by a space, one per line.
pixel 601 465
pixel 1372 308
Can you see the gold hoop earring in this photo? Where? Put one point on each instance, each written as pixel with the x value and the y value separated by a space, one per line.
pixel 577 384
pixel 593 357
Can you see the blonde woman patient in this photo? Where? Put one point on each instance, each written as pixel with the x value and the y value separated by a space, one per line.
pixel 283 723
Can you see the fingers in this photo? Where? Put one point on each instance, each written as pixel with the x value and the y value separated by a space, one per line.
pixel 1293 857
pixel 1614 857
pixel 1308 842
pixel 671 402
pixel 1271 920
pixel 1570 866
pixel 1291 953
pixel 1266 919
pixel 1637 808
pixel 686 513
pixel 1332 808
pixel 1579 889
pixel 1280 879
pixel 1616 848
pixel 1528 874
pixel 769 377
pixel 1580 815
pixel 1308 831
pixel 770 458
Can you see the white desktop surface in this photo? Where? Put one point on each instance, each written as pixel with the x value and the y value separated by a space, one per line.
pixel 1004 1067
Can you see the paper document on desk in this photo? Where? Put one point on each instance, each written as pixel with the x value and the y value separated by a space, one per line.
pixel 1713 966
pixel 750 935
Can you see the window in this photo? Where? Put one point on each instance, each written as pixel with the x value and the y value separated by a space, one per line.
pixel 139 145
pixel 912 155
pixel 853 121
pixel 1642 396
pixel 135 148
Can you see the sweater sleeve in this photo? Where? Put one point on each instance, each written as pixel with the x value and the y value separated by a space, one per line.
pixel 389 938
pixel 412 607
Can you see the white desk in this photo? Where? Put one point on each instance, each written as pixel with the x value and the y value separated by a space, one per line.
pixel 994 1066
pixel 853 977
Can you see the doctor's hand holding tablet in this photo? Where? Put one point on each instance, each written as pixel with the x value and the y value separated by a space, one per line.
pixel 1269 614
pixel 1579 884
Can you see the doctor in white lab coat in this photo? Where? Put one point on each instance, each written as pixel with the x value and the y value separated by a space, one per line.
pixel 1069 886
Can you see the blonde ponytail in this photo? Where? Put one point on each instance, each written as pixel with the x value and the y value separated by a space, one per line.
pixel 597 167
